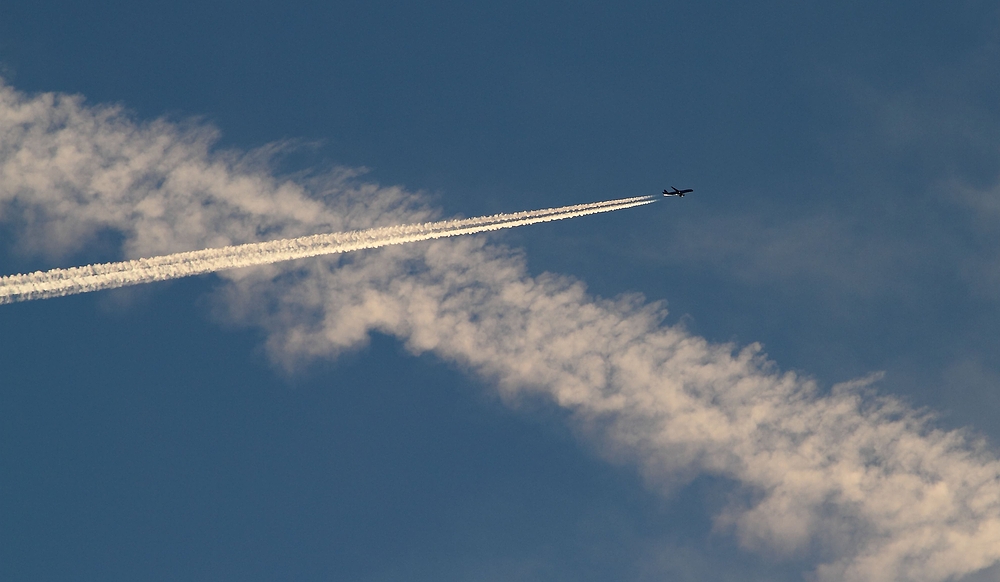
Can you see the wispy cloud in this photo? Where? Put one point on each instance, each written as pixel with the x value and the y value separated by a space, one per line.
pixel 859 485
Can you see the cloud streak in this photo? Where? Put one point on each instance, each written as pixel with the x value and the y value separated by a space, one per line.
pixel 858 485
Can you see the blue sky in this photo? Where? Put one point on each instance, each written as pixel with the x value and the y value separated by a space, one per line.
pixel 846 173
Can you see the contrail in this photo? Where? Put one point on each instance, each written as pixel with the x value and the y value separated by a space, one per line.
pixel 60 282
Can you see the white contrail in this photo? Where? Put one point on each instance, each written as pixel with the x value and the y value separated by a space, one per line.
pixel 60 282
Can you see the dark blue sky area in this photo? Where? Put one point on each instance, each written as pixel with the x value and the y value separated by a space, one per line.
pixel 163 448
pixel 828 144
pixel 558 97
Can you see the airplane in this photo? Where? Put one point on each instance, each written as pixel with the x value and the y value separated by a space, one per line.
pixel 676 192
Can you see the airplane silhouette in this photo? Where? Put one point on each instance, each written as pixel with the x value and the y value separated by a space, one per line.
pixel 676 192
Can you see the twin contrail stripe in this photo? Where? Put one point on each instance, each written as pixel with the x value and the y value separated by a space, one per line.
pixel 60 282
